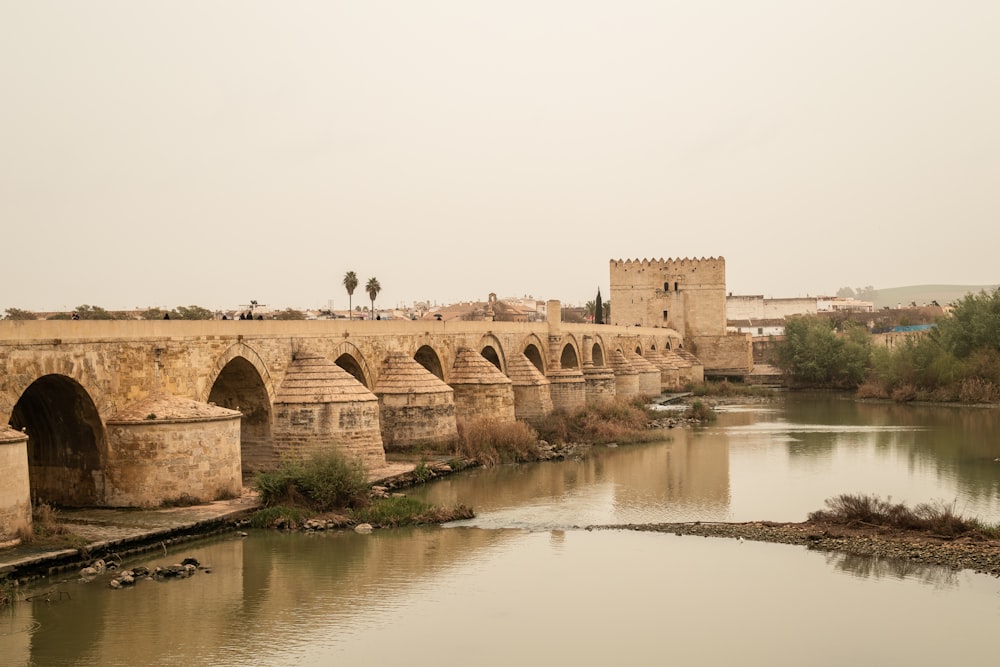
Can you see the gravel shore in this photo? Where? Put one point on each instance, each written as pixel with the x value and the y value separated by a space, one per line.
pixel 967 552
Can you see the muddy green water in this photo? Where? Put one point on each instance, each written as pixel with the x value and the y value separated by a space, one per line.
pixel 525 584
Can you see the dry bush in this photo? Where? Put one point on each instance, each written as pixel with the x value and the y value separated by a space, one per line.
pixel 490 441
pixel 872 389
pixel 939 518
pixel 622 420
pixel 904 393
pixel 978 390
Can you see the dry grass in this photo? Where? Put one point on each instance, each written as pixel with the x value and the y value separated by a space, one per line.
pixel 938 518
pixel 621 420
pixel 492 442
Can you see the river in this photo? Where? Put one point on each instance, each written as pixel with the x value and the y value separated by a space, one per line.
pixel 524 583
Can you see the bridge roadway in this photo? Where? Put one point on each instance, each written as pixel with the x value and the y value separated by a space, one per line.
pixel 135 413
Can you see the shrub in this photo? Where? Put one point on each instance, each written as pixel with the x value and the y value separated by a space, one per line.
pixel 904 393
pixel 325 481
pixel 405 511
pixel 278 517
pixel 701 412
pixel 45 523
pixel 621 420
pixel 939 518
pixel 491 442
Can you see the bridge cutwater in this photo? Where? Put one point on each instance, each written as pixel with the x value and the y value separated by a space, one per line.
pixel 140 413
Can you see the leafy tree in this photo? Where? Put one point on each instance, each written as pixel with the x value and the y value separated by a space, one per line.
pixel 373 288
pixel 350 284
pixel 289 314
pixel 19 314
pixel 607 311
pixel 191 313
pixel 845 293
pixel 866 293
pixel 153 314
pixel 93 313
pixel 598 308
pixel 813 353
pixel 974 324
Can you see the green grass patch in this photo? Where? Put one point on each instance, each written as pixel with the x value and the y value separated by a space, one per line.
pixel 404 511
pixel 323 482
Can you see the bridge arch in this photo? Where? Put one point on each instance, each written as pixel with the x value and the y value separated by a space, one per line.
pixel 569 357
pixel 243 383
pixel 350 358
pixel 533 349
pixel 427 357
pixel 597 354
pixel 67 441
pixel 491 348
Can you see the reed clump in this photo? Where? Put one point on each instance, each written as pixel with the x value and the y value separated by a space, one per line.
pixel 491 442
pixel 322 482
pixel 622 421
pixel 938 517
pixel 398 511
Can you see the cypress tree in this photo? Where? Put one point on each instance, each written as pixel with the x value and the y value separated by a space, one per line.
pixel 598 308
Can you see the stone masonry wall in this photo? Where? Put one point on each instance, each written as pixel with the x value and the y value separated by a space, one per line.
pixel 152 462
pixel 302 429
pixel 15 494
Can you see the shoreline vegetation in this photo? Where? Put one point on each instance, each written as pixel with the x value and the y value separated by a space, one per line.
pixel 866 525
pixel 957 360
pixel 328 492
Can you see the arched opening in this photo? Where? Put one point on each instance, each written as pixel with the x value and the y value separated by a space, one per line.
pixel 351 365
pixel 492 356
pixel 240 387
pixel 668 344
pixel 638 350
pixel 428 358
pixel 598 355
pixel 568 358
pixel 66 442
pixel 535 357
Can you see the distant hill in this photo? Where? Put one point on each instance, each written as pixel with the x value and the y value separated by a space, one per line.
pixel 925 294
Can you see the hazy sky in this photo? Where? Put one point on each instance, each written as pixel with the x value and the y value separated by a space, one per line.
pixel 209 153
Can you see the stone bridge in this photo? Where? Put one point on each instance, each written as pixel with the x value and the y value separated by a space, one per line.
pixel 142 413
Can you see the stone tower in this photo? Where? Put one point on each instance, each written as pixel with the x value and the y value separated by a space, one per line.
pixel 687 295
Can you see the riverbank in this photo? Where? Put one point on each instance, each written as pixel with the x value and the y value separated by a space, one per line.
pixel 967 552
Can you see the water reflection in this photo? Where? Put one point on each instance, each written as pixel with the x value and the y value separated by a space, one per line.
pixel 671 480
pixel 534 590
pixel 873 567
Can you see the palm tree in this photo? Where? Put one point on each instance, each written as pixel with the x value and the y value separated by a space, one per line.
pixel 373 288
pixel 350 282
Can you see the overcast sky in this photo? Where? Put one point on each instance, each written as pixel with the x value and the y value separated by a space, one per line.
pixel 209 153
